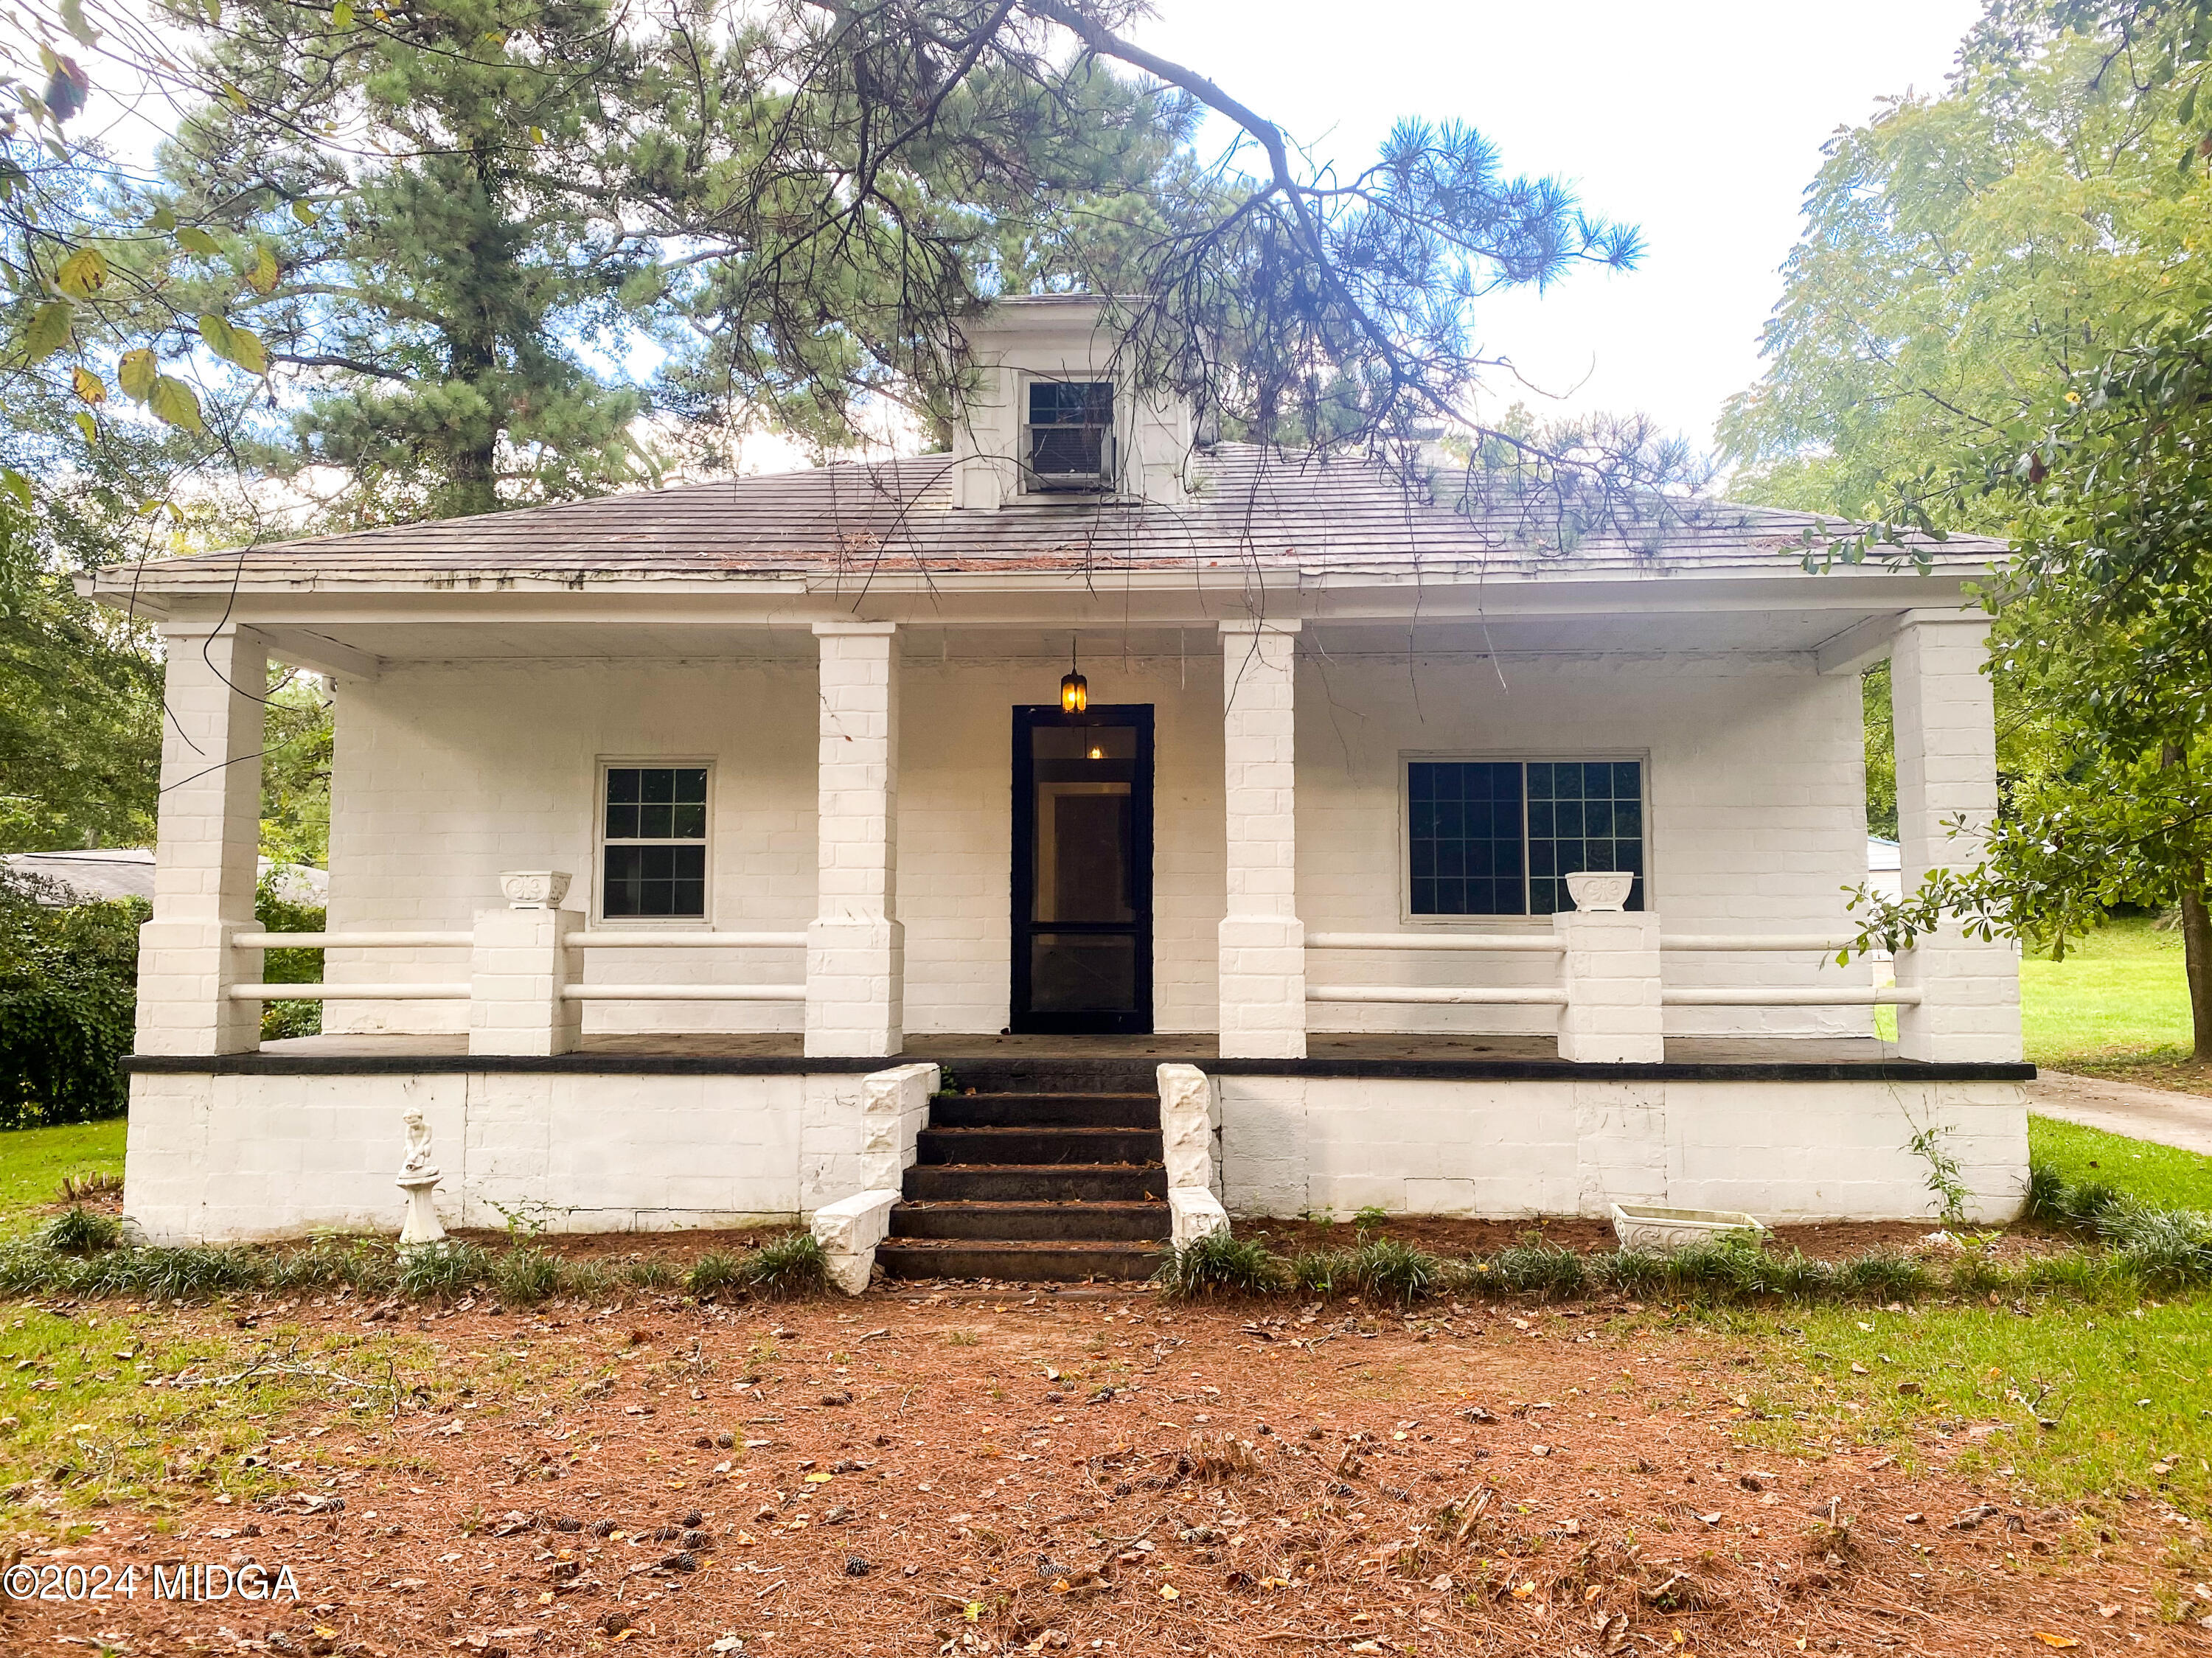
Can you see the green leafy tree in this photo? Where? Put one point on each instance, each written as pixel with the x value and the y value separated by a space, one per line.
pixel 1992 323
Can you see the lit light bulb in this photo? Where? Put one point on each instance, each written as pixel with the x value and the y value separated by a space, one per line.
pixel 1098 753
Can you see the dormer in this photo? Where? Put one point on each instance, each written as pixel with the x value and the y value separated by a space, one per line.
pixel 1054 416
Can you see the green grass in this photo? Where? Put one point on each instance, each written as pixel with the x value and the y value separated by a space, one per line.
pixel 2159 1174
pixel 2129 1388
pixel 76 1414
pixel 2121 995
pixel 34 1160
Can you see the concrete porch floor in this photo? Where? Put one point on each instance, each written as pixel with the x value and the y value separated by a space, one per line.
pixel 1196 1047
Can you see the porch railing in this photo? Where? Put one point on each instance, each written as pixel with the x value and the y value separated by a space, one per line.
pixel 364 992
pixel 607 938
pixel 1505 944
pixel 1774 995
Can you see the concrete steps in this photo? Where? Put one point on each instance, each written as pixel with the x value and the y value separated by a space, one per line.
pixel 1049 1171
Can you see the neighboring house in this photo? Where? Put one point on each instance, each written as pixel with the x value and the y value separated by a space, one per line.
pixel 795 750
pixel 102 874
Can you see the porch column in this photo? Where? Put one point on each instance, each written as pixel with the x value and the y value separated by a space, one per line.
pixel 856 949
pixel 207 849
pixel 1261 940
pixel 1947 769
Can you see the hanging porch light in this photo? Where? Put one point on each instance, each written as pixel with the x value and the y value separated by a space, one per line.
pixel 1074 693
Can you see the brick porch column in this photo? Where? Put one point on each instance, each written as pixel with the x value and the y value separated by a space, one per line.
pixel 856 949
pixel 1261 940
pixel 206 853
pixel 1947 769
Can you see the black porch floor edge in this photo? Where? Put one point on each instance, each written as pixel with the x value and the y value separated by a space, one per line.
pixel 1102 1069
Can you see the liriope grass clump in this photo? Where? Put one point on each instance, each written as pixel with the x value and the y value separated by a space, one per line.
pixel 1219 1265
pixel 78 1231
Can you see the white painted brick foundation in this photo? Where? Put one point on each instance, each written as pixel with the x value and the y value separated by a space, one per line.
pixel 1799 1150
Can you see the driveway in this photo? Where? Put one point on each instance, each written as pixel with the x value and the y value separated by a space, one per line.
pixel 2144 1114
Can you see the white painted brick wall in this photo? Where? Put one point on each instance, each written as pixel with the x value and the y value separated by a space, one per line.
pixel 521 959
pixel 215 680
pixel 1947 773
pixel 1504 1150
pixel 447 774
pixel 1610 970
pixel 1755 789
pixel 1261 940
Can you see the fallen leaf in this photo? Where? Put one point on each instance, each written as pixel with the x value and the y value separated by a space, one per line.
pixel 2050 1640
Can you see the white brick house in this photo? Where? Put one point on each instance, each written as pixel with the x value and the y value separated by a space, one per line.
pixel 800 743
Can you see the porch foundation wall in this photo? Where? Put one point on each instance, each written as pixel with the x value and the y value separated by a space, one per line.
pixel 1799 1150
pixel 218 1159
pixel 222 1156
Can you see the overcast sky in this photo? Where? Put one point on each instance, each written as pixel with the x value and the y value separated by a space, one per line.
pixel 1701 121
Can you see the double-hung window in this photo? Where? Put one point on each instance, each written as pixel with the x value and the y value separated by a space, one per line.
pixel 1068 434
pixel 653 842
pixel 1498 837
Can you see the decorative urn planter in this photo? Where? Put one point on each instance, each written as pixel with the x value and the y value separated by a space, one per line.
pixel 1640 1226
pixel 534 888
pixel 1600 890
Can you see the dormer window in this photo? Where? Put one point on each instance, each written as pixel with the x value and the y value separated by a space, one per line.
pixel 1067 441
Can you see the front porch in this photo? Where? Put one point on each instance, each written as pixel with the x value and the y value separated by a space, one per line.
pixel 1368 972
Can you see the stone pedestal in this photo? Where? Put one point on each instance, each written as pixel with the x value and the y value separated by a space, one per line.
pixel 419 1224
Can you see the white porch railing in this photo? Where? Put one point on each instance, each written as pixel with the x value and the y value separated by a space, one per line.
pixel 607 938
pixel 1442 995
pixel 364 992
pixel 1775 995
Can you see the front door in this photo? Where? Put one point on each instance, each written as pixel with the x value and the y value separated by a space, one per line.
pixel 1083 871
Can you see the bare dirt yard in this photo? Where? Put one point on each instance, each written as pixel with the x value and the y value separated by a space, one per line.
pixel 941 1471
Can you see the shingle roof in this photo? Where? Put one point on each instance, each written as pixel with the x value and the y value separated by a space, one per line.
pixel 1321 517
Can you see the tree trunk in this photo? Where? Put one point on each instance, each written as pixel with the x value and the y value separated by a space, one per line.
pixel 2196 948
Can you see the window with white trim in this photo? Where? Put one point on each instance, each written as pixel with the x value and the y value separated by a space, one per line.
pixel 1067 434
pixel 1499 837
pixel 654 843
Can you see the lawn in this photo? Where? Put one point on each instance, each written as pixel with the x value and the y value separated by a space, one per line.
pixel 2159 1174
pixel 2117 1005
pixel 34 1160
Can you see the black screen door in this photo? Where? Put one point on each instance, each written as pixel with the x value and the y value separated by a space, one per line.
pixel 1083 871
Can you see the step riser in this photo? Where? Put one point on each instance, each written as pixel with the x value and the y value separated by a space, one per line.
pixel 1045 1111
pixel 939 1182
pixel 1080 1223
pixel 1026 1266
pixel 1038 1145
pixel 1056 1076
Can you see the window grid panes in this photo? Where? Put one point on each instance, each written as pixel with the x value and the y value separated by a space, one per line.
pixel 1497 837
pixel 656 830
pixel 1068 423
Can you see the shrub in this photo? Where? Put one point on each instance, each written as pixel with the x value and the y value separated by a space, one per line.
pixel 277 914
pixel 94 1184
pixel 1220 1264
pixel 82 1231
pixel 69 996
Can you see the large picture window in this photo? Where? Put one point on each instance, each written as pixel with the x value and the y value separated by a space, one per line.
pixel 1498 837
pixel 654 842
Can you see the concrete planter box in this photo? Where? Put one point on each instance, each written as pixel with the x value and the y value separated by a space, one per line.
pixel 1641 1226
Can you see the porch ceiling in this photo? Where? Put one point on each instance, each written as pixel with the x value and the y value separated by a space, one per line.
pixel 362 649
